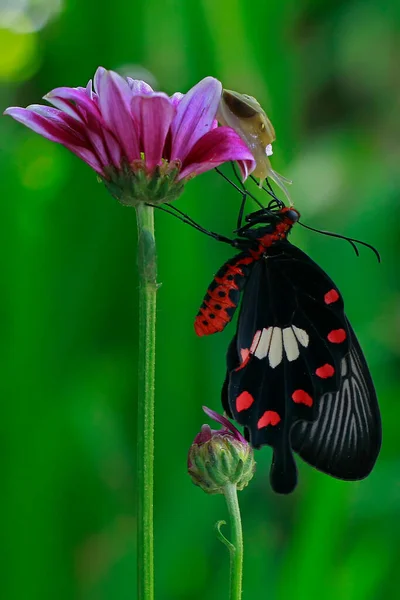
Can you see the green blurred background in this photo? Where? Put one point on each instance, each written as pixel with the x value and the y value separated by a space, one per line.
pixel 326 73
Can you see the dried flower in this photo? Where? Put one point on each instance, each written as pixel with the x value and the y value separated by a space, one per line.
pixel 220 457
pixel 244 114
pixel 143 144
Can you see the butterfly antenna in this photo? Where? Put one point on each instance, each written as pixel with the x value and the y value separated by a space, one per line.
pixel 274 204
pixel 242 190
pixel 178 214
pixel 243 194
pixel 352 241
pixel 271 189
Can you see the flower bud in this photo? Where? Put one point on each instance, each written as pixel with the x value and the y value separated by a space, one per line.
pixel 220 457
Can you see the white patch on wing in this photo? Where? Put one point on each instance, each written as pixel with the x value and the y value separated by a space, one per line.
pixel 290 344
pixel 263 345
pixel 301 335
pixel 276 348
pixel 271 342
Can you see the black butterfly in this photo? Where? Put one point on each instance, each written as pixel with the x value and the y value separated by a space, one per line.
pixel 296 376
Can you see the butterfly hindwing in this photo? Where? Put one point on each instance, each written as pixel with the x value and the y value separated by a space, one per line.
pixel 345 439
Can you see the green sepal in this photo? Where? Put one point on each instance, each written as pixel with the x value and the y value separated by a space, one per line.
pixel 131 184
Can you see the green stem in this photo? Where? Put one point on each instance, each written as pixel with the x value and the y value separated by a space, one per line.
pixel 236 547
pixel 147 263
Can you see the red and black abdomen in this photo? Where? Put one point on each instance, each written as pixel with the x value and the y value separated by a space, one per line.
pixel 223 295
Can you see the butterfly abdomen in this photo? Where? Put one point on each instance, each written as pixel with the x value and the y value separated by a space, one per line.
pixel 223 295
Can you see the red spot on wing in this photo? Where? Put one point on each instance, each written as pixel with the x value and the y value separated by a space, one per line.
pixel 325 371
pixel 270 417
pixel 244 358
pixel 244 401
pixel 331 297
pixel 301 397
pixel 244 353
pixel 337 336
pixel 255 341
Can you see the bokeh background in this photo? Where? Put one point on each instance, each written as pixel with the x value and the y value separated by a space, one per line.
pixel 327 75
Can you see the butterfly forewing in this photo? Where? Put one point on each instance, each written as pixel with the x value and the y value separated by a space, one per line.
pixel 223 295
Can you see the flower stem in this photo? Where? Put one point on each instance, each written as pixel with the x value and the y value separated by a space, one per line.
pixel 147 264
pixel 236 547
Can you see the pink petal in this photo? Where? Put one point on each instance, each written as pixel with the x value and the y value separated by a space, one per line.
pixel 225 422
pixel 71 100
pixel 100 150
pixel 88 157
pixel 103 142
pixel 216 147
pixel 245 167
pixel 54 130
pixel 204 436
pixel 66 107
pixel 154 115
pixel 176 98
pixel 113 147
pixel 97 78
pixel 47 111
pixel 138 86
pixel 66 121
pixel 100 139
pixel 89 89
pixel 194 117
pixel 114 100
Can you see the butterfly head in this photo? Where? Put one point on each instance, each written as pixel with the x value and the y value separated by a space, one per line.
pixel 273 218
pixel 289 215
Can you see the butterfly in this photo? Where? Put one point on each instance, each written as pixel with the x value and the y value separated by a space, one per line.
pixel 296 379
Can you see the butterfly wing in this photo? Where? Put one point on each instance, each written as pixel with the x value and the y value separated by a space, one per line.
pixel 223 295
pixel 346 438
pixel 291 339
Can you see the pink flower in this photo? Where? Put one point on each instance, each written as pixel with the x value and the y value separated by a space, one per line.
pixel 143 144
